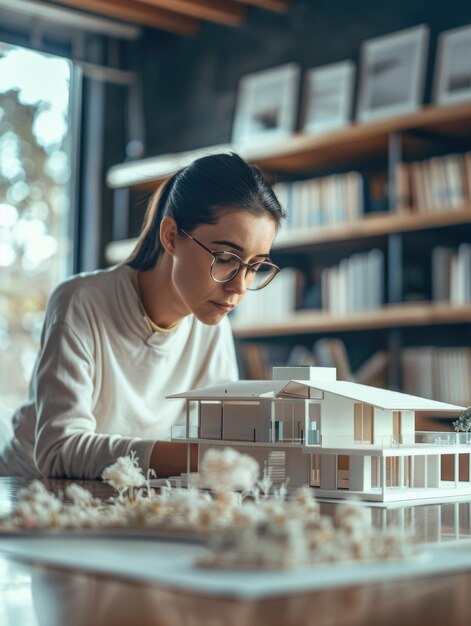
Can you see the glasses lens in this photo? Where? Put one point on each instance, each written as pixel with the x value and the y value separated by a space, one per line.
pixel 259 276
pixel 225 267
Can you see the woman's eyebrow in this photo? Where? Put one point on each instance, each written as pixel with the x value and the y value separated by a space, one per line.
pixel 231 244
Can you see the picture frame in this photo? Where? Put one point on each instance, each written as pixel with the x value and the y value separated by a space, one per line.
pixel 266 107
pixel 392 74
pixel 452 76
pixel 328 97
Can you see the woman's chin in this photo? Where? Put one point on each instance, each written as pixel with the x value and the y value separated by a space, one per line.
pixel 210 317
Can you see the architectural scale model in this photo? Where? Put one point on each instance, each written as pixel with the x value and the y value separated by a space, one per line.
pixel 341 438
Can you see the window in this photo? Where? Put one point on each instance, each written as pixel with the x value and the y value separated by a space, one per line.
pixel 375 464
pixel 392 471
pixel 35 166
pixel 343 471
pixel 397 426
pixel 315 473
pixel 463 468
pixel 363 423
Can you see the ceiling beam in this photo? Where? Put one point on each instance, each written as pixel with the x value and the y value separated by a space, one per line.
pixel 271 5
pixel 139 13
pixel 227 12
pixel 69 19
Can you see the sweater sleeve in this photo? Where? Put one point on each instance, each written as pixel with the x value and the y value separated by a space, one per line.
pixel 67 444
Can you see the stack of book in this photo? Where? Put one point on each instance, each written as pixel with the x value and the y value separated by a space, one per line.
pixel 451 274
pixel 442 374
pixel 355 285
pixel 434 185
pixel 326 201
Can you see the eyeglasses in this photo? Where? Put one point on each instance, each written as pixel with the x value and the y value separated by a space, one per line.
pixel 226 266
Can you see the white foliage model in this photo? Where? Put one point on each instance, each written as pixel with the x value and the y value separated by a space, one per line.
pixel 228 470
pixel 246 530
pixel 125 474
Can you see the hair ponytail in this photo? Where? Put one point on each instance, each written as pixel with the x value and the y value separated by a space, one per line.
pixel 147 250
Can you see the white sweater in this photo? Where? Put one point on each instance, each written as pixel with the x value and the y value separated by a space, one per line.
pixel 100 380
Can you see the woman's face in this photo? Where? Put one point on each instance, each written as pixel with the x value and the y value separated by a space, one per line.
pixel 248 236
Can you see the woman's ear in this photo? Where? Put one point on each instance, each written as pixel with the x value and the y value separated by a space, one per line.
pixel 168 234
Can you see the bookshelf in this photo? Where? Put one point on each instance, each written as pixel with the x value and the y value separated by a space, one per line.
pixel 430 132
pixel 372 226
pixel 390 316
pixel 304 153
pixel 369 226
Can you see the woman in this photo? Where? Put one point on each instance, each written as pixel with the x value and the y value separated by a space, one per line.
pixel 115 342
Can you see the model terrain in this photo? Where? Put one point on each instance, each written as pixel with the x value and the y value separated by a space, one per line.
pixel 246 522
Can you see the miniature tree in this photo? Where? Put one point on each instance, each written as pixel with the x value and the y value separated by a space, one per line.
pixel 463 423
pixel 226 471
pixel 124 475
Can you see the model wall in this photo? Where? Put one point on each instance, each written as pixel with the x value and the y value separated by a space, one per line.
pixel 337 425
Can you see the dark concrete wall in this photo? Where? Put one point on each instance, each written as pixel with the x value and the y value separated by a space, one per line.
pixel 190 83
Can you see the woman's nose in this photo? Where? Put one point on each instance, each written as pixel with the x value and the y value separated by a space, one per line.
pixel 238 283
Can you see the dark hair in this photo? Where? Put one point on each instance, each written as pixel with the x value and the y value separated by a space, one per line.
pixel 195 194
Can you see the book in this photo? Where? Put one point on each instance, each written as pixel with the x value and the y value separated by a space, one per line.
pixel 402 186
pixel 442 260
pixel 440 373
pixel 374 370
pixel 257 361
pixel 455 180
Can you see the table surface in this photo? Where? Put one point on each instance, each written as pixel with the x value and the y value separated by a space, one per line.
pixel 44 595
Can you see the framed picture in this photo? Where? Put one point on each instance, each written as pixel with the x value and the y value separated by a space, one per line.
pixel 392 74
pixel 328 93
pixel 266 106
pixel 452 80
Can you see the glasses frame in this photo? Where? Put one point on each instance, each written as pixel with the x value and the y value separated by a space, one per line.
pixel 242 264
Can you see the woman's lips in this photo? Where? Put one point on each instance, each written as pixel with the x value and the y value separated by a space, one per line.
pixel 223 306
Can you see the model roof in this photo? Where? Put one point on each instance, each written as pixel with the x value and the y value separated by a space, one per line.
pixel 380 398
pixel 239 390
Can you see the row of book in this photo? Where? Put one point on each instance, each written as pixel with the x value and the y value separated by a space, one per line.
pixel 325 352
pixel 324 201
pixel 443 374
pixel 355 285
pixel 276 301
pixel 428 186
pixel 434 185
pixel 451 274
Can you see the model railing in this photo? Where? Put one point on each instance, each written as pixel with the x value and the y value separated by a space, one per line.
pixel 314 438
pixel 254 435
pixel 443 438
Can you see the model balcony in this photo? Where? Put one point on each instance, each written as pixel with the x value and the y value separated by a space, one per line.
pixel 441 439
pixel 278 435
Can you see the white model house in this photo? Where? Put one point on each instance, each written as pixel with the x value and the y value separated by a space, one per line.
pixel 342 438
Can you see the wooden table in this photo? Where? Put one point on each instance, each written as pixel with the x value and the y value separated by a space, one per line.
pixel 51 596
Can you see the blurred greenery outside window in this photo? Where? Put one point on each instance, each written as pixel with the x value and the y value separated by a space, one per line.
pixel 35 169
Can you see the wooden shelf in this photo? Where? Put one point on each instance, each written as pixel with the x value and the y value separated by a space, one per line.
pixel 392 316
pixel 370 226
pixel 373 225
pixel 302 153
